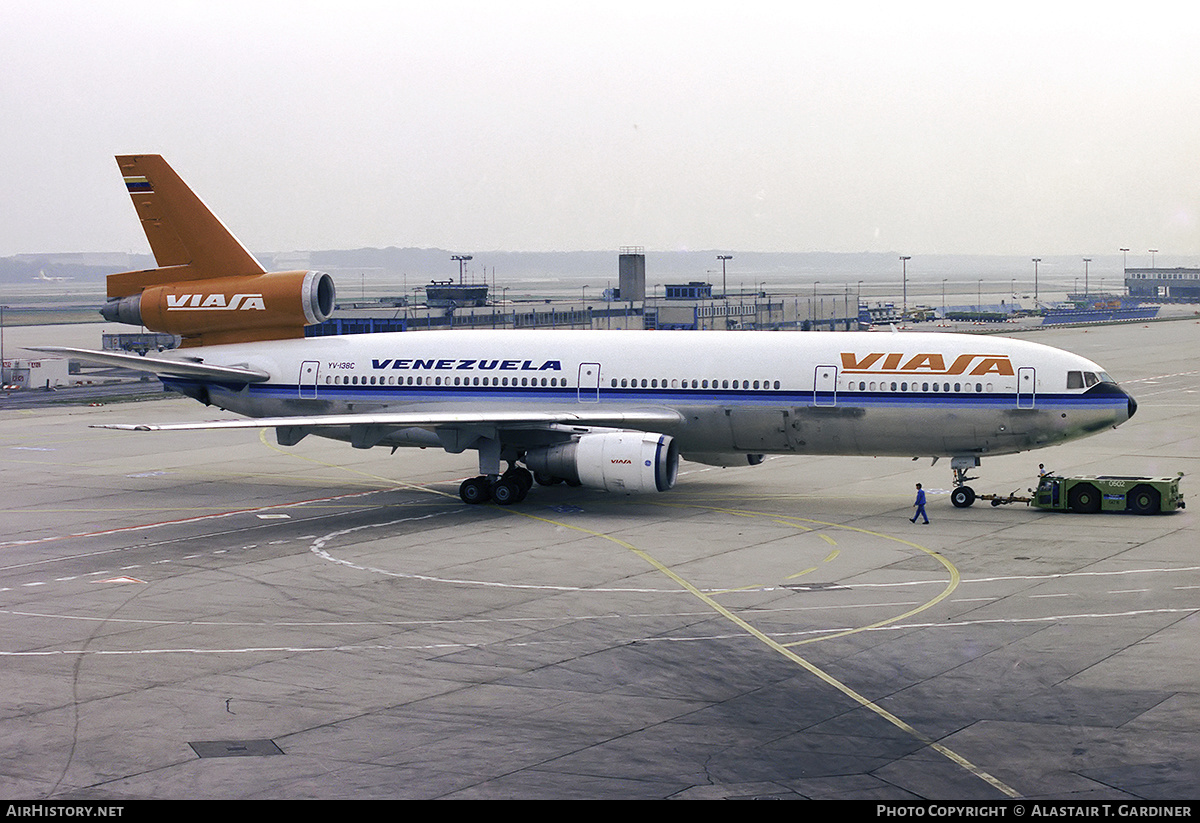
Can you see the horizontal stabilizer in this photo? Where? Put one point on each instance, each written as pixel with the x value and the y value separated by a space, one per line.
pixel 160 366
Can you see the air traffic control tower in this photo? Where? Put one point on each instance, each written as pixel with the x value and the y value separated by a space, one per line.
pixel 632 274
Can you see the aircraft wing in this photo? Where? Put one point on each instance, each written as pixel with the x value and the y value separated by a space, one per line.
pixel 161 366
pixel 642 419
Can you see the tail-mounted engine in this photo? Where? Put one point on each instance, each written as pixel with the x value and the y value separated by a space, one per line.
pixel 269 306
pixel 630 462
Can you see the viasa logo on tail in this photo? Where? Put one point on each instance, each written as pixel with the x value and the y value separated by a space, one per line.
pixel 215 302
pixel 925 363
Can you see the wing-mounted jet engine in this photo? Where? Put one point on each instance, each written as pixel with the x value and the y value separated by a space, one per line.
pixel 630 462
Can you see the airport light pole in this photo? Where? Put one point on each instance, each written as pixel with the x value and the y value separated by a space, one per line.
pixel 1086 260
pixel 1152 253
pixel 904 262
pixel 1036 260
pixel 944 279
pixel 723 258
pixel 461 258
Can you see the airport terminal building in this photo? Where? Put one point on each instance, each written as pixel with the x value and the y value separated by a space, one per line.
pixel 1177 285
pixel 691 305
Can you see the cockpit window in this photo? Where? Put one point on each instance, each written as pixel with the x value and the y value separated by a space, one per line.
pixel 1090 379
pixel 1074 380
pixel 1104 378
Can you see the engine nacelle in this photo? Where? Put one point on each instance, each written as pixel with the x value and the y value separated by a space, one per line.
pixel 272 306
pixel 630 462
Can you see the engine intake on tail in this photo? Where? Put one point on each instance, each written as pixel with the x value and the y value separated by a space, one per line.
pixel 630 462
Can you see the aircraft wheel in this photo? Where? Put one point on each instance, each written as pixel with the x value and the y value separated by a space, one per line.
pixel 1084 499
pixel 475 490
pixel 523 476
pixel 508 491
pixel 546 479
pixel 962 497
pixel 1144 500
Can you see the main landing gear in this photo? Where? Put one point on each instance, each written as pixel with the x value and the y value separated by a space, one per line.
pixel 506 489
pixel 963 495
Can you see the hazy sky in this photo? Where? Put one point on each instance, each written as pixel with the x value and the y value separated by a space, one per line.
pixel 1040 128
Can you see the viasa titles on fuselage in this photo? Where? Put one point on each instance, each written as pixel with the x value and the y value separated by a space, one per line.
pixel 610 410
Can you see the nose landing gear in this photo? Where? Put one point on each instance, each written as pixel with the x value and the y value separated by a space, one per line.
pixel 963 495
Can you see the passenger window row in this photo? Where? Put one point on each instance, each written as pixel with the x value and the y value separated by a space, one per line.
pixel 421 380
pixel 925 386
pixel 675 383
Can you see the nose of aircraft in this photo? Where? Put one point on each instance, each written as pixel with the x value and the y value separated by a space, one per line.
pixel 1132 405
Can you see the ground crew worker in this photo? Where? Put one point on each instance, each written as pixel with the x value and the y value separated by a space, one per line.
pixel 920 504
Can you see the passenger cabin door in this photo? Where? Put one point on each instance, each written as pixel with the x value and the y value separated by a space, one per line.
pixel 825 386
pixel 589 382
pixel 1026 388
pixel 308 379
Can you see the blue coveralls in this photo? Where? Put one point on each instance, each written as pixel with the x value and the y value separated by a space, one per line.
pixel 920 504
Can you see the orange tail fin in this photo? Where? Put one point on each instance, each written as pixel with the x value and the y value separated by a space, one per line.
pixel 188 241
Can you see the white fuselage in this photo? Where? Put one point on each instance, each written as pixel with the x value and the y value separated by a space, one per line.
pixel 735 392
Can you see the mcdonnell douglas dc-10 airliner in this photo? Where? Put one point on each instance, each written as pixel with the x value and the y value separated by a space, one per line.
pixel 612 410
